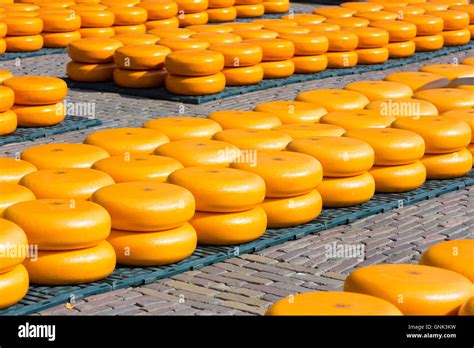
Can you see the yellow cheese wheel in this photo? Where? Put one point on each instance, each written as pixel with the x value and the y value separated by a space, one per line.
pixel 229 228
pixel 244 26
pixel 188 19
pixel 453 2
pixel 348 191
pixel 200 152
pixel 247 75
pixel 278 69
pixel 97 33
pixel 13 169
pixel 449 165
pixel 12 236
pixel 332 303
pixel 20 7
pixel 220 3
pixel 299 130
pixel 468 61
pixel 373 16
pixel 355 119
pixel 305 18
pixel 452 19
pixel 7 98
pixel 93 50
pixel 153 248
pixel 241 119
pixel 310 64
pixel 428 43
pixel 128 15
pixel 334 99
pixel 159 9
pixel 403 107
pixel 239 54
pixel 339 156
pixel 13 194
pixel 341 40
pixel 24 14
pixel 8 122
pixel 446 99
pixel 404 11
pixel 61 224
pixel 307 44
pixel 272 7
pixel 22 25
pixel 60 40
pixel 171 33
pixel 85 6
pixel 184 44
pixel 288 29
pixel 398 31
pixel 466 115
pixel 334 12
pixel 130 29
pixel 250 11
pixel 372 55
pixel 141 57
pixel 431 6
pixel 13 286
pixel 450 71
pixel 120 141
pixel 274 49
pixel 342 60
pixel 286 174
pixel 425 24
pixel 169 23
pixel 37 90
pixel 371 37
pixel 362 6
pixel 392 147
pixel 138 168
pixel 84 72
pixel 401 178
pixel 192 6
pixel 24 43
pixel 322 27
pixel 469 8
pixel 5 75
pixel 418 81
pixel 139 78
pixel 470 148
pixel 221 190
pixel 217 38
pixel 254 139
pixel 39 116
pixel 201 85
pixel 349 23
pixel 185 127
pixel 249 34
pixel 455 255
pixel 210 28
pixel 401 49
pixel 195 63
pixel 441 134
pixel 456 37
pixel 59 23
pixel 414 289
pixel 136 39
pixel 374 90
pixel 72 267
pixel 290 112
pixel 467 308
pixel 66 183
pixel 226 14
pixel 121 3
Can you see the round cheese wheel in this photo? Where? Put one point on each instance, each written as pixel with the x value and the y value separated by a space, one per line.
pixel 59 23
pixel 141 57
pixel 121 3
pixel 247 75
pixel 28 43
pixel 288 29
pixel 139 78
pixel 12 236
pixel 227 14
pixel 184 44
pixel 310 64
pixel 185 127
pixel 5 75
pixel 84 72
pixel 130 29
pixel 374 90
pixel 274 49
pixel 402 178
pixel 37 90
pixel 341 40
pixel 366 56
pixel 456 37
pixel 169 23
pixel 40 115
pixel 137 39
pixel 404 11
pixel 272 7
pixel 239 54
pixel 290 112
pixel 398 31
pixel 356 119
pixel 349 23
pixel 23 25
pixel 373 16
pixel 298 130
pixel 13 286
pixel 159 9
pixel 128 15
pixel 425 24
pixel 220 3
pixel 201 85
pixel 304 18
pixel 334 12
pixel 450 71
pixel 171 33
pixel 250 11
pixel 342 60
pixel 93 50
pixel 371 37
pixel 210 28
pixel 446 99
pixel 307 44
pixel 254 139
pixel 362 6
pixel 403 107
pixel 97 33
pixel 452 19
pixel 188 19
pixel 401 49
pixel 348 191
pixel 322 27
pixel 428 43
pixel 334 99
pixel 13 169
pixel 13 194
pixel 60 40
pixel 431 6
pixel 217 38
pixel 466 115
pixel 278 69
pixel 7 98
pixel 249 34
pixel 192 6
pixel 244 26
pixel 194 63
pixel 449 165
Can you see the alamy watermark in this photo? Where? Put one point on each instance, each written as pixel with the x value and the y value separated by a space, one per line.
pixel 345 251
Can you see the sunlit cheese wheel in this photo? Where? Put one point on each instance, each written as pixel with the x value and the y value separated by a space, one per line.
pixel 250 11
pixel 373 16
pixel 274 49
pixel 37 90
pixel 362 6
pixel 84 72
pixel 96 19
pixel 454 255
pixel 182 128
pixel 286 174
pixel 239 54
pixel 332 303
pixel 305 130
pixel 97 33
pixel 466 115
pixel 404 11
pixel 229 228
pixel 469 8
pixel 7 98
pixel 254 139
pixel 244 26
pixel 65 224
pixel 20 7
pixel 73 266
pixel 29 43
pixel 58 23
pixel 307 44
pixel 403 107
pixel 431 6
pixel 13 169
pixel 88 6
pixel 122 3
pixel 374 90
pixel 446 99
pixel 188 19
pixel 249 34
pixel 334 99
pixel 136 39
pixel 371 37
pixel 402 178
pixel 310 64
pixel 210 28
pixel 184 44
pixel 456 37
pixel 220 3
pixel 26 14
pixel 194 63
pixel 169 23
pixel 22 25
pixel 13 286
pixel 8 122
pixel 414 289
pixel 3 46
pixel 275 21
pixel 273 7
pixel 450 71
pixel 441 134
pixel 171 33
pixel 93 50
pixel 241 119
pixel 425 24
pixel 342 60
pixel 141 57
pixel 467 308
pixel 305 18
pixel 200 85
pixel 278 69
pixel 5 75
pixel 120 141
pixel 247 75
pixel 401 49
pixel 159 9
pixel 12 194
pixel 340 41
pixel 322 27
pixel 349 23
pixel 339 156
pixel 138 168
pixel 60 40
pixel 334 12
pixel 356 119
pixel 40 115
pixel 453 2
pixel 221 14
pixel 139 78
pixel 192 6
pixel 217 38
pixel 153 248
pixel 347 191
pixel 428 43
pixel 130 29
pixel 288 29
pixel 290 112
pixel 449 165
pixel 452 19
pixel 12 236
pixel 372 55
pixel 398 31
pixel 128 15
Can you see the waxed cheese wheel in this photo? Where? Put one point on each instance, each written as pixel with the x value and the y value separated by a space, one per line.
pixel 84 72
pixel 93 50
pixel 334 99
pixel 27 43
pixel 199 85
pixel 244 76
pixel 59 23
pixel 452 19
pixel 398 30
pixel 129 15
pixel 446 99
pixel 22 25
pixel 194 63
pixel 96 19
pixel 60 40
pixel 239 54
pixel 7 98
pixel 37 90
pixel 159 10
pixel 425 24
pixel 227 14
pixel 401 178
pixel 141 57
pixel 152 78
pixel 347 191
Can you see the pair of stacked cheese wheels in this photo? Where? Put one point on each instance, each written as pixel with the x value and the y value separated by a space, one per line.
pixel 23 32
pixel 129 19
pixel 440 285
pixel 192 12
pixel 60 27
pixel 249 8
pixel 456 24
pixel 161 14
pixel 96 20
pixel 8 118
pixel 221 11
pixel 276 6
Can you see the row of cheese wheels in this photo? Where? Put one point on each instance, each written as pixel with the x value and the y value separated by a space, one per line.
pixel 20 106
pixel 442 284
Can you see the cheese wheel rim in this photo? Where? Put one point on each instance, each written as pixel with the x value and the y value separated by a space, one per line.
pixel 37 90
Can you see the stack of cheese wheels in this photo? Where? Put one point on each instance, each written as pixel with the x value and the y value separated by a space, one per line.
pixel 192 12
pixel 150 227
pixel 241 62
pixel 466 115
pixel 249 8
pixel 277 57
pixel 401 35
pixel 38 100
pixel 161 14
pixel 8 118
pixel 227 204
pixel 287 203
pixel 70 236
pixel 96 21
pixel 195 72
pixel 469 8
pixel 23 33
pixel 371 48
pixel 397 166
pixel 446 140
pixel 92 59
pixel 129 19
pixel 60 28
pixel 428 31
pixel 3 33
pixel 456 26
pixel 276 6
pixel 341 49
pixel 413 289
pixel 140 66
pixel 221 11
pixel 14 280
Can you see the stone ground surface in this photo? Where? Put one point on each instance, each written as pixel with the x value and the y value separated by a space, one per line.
pixel 248 284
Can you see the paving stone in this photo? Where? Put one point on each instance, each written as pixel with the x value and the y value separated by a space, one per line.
pixel 191 288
